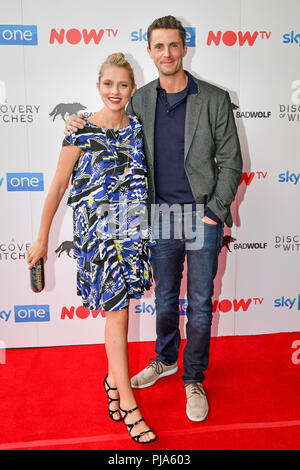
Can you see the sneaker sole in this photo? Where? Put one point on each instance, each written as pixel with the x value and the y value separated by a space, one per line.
pixel 196 420
pixel 164 374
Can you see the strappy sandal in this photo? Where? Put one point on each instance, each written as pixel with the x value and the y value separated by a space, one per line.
pixel 111 413
pixel 131 426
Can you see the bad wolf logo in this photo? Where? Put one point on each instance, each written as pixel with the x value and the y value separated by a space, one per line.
pixel 65 247
pixel 62 109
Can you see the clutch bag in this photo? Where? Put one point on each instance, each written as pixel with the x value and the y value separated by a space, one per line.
pixel 37 276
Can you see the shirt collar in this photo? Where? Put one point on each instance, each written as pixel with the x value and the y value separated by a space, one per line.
pixel 191 87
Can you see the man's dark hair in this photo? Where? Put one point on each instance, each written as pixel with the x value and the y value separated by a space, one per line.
pixel 167 22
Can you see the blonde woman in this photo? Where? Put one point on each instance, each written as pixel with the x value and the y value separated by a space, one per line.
pixel 107 164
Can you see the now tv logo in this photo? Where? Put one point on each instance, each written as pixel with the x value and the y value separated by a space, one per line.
pixel 76 36
pixel 227 305
pixel 247 178
pixel 230 38
pixel 80 312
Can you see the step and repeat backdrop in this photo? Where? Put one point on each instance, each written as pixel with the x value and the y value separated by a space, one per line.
pixel 50 53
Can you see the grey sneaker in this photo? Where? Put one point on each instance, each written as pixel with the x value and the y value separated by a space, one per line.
pixel 196 405
pixel 148 376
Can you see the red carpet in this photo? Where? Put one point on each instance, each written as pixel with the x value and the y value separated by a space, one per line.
pixel 53 398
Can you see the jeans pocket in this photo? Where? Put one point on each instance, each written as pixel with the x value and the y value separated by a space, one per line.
pixel 208 224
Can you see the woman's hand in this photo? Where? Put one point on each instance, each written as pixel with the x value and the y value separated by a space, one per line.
pixel 73 123
pixel 35 252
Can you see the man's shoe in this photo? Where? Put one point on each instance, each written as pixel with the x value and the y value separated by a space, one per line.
pixel 196 405
pixel 148 376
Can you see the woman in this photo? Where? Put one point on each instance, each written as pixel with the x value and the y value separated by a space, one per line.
pixel 109 174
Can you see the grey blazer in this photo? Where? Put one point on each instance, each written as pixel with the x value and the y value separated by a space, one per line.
pixel 212 155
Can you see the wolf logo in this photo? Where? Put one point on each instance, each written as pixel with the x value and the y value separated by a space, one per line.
pixel 66 246
pixel 62 109
pixel 226 240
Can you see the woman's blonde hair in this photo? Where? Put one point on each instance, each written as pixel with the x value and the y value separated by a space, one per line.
pixel 118 58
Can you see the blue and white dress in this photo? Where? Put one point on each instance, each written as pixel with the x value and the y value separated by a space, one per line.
pixel 111 230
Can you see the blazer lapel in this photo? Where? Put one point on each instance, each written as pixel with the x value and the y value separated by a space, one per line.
pixel 149 106
pixel 193 108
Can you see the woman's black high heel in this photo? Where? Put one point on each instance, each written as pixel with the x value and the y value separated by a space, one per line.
pixel 111 413
pixel 131 426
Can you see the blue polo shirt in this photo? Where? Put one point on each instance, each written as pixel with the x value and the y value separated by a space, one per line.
pixel 171 183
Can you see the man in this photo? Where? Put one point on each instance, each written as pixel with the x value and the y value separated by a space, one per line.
pixel 194 160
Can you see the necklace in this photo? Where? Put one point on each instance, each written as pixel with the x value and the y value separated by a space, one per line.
pixel 109 126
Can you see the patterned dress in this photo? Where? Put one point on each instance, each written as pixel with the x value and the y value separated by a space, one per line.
pixel 111 230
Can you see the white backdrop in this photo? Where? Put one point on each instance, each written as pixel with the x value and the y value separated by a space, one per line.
pixel 251 49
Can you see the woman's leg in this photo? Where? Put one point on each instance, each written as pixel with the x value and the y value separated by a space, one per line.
pixel 116 331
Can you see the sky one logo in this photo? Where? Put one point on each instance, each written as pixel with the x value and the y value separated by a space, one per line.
pixel 287 302
pixel 15 34
pixel 287 177
pixel 24 181
pixel 141 35
pixel 150 309
pixel 291 38
pixel 4 315
pixel 31 313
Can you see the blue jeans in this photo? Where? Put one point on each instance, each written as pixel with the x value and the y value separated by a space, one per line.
pixel 168 258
